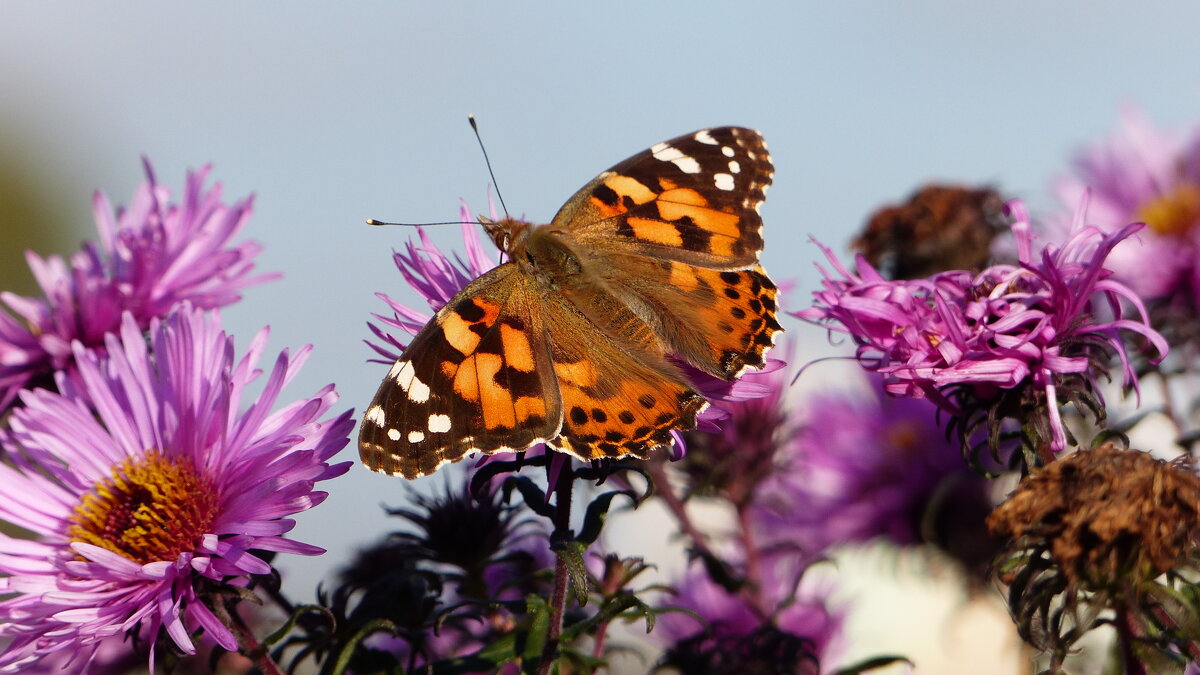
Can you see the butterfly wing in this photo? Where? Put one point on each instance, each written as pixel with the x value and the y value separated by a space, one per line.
pixel 674 232
pixel 619 395
pixel 693 199
pixel 477 378
pixel 720 321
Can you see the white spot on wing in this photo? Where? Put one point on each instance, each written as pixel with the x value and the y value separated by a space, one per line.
pixel 403 373
pixel 375 416
pixel 727 151
pixel 394 434
pixel 439 424
pixel 734 167
pixel 418 392
pixel 396 367
pixel 415 437
pixel 723 181
pixel 705 138
pixel 666 153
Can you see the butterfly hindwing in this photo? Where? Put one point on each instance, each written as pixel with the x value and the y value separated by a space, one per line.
pixel 477 378
pixel 721 321
pixel 617 400
pixel 693 199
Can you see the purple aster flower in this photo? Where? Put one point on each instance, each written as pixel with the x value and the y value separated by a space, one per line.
pixel 1052 321
pixel 778 619
pixel 152 255
pixel 1144 174
pixel 149 483
pixel 859 466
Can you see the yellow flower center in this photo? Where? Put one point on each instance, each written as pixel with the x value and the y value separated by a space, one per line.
pixel 152 508
pixel 1173 213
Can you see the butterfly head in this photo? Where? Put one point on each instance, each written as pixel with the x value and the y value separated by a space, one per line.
pixel 508 234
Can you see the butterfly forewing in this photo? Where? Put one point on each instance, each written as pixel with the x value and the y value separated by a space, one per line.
pixel 478 377
pixel 693 199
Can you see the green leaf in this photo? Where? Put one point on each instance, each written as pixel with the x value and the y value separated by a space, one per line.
pixel 597 511
pixel 368 629
pixel 570 552
pixel 721 573
pixel 291 622
pixel 539 627
pixel 873 664
pixel 535 497
pixel 489 659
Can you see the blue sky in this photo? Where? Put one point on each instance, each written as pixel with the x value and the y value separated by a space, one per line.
pixel 332 113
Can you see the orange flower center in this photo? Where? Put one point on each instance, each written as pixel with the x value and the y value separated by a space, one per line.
pixel 152 508
pixel 1173 213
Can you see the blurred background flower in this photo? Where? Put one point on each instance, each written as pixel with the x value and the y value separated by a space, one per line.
pixel 149 257
pixel 863 465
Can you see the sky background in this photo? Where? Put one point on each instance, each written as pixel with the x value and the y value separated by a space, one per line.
pixel 333 113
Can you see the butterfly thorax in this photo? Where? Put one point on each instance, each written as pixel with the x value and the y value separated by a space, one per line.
pixel 538 251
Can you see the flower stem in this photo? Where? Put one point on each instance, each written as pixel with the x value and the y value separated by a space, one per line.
pixel 251 648
pixel 1125 637
pixel 598 646
pixel 753 564
pixel 1169 404
pixel 658 472
pixel 558 601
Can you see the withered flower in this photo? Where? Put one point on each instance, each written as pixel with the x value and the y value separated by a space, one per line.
pixel 939 228
pixel 1103 529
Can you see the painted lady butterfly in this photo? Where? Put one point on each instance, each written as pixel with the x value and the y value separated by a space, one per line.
pixel 568 341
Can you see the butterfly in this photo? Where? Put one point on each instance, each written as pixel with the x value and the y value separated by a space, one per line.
pixel 575 340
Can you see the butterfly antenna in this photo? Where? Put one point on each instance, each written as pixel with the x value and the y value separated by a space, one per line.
pixel 372 221
pixel 475 128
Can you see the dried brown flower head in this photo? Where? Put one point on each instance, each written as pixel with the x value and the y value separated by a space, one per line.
pixel 939 228
pixel 1107 516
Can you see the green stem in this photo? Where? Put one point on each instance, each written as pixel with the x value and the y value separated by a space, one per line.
pixel 251 648
pixel 558 601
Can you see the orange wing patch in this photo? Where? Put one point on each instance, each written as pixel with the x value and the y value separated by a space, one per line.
pixel 722 321
pixel 626 417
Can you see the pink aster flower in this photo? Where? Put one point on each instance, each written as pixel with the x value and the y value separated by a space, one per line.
pixel 157 478
pixel 151 256
pixel 854 467
pixel 1144 174
pixel 1053 319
